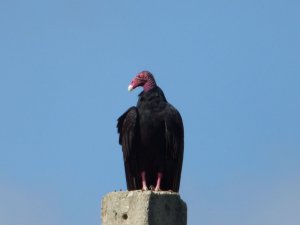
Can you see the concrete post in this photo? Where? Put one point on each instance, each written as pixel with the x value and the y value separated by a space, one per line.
pixel 143 208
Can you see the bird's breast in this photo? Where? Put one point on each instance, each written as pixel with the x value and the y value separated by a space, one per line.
pixel 151 129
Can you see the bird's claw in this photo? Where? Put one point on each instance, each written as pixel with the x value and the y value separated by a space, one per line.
pixel 145 189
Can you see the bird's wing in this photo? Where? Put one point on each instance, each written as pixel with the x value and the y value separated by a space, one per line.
pixel 174 134
pixel 128 130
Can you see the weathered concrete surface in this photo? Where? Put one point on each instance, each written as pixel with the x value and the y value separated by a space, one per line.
pixel 143 208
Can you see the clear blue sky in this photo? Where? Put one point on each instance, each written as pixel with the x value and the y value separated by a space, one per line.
pixel 232 68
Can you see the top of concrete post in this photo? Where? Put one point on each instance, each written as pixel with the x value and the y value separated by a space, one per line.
pixel 143 208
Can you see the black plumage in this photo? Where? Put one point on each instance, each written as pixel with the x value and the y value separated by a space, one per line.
pixel 152 139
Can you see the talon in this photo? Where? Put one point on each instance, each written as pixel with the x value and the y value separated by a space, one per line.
pixel 144 184
pixel 145 189
pixel 159 177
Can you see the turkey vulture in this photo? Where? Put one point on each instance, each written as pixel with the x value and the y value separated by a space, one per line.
pixel 151 135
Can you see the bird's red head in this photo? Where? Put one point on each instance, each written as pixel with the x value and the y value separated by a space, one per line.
pixel 144 79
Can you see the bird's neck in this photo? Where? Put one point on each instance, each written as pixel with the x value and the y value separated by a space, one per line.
pixel 150 84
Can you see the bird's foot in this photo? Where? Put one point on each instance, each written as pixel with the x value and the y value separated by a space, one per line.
pixel 144 188
pixel 157 189
pixel 159 178
pixel 144 183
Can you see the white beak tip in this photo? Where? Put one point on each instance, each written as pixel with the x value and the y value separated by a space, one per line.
pixel 130 88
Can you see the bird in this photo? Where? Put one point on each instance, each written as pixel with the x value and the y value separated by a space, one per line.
pixel 152 138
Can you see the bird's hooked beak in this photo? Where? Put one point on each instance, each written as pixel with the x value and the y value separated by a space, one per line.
pixel 130 87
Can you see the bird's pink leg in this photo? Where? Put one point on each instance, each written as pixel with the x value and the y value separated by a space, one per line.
pixel 159 177
pixel 144 183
